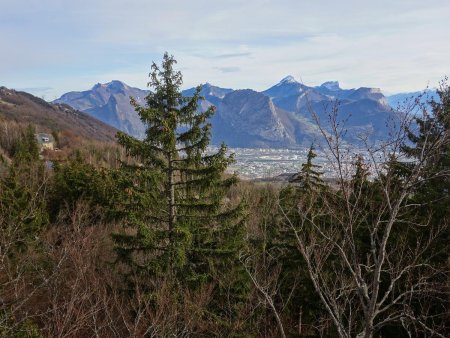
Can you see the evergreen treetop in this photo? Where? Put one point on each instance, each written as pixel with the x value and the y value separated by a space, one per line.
pixel 27 148
pixel 360 178
pixel 309 178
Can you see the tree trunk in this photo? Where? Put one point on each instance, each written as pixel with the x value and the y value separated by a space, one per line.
pixel 171 203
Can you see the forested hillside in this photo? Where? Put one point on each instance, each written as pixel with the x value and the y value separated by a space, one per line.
pixel 25 108
pixel 70 130
pixel 156 240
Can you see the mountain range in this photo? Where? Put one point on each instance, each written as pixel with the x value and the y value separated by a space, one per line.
pixel 281 116
pixel 424 97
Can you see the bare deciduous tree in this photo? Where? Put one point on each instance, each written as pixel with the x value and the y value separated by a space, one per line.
pixel 371 260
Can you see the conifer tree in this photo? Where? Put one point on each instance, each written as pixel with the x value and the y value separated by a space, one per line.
pixel 431 143
pixel 26 149
pixel 76 180
pixel 309 178
pixel 22 195
pixel 433 139
pixel 175 213
pixel 305 188
pixel 361 172
pixel 360 179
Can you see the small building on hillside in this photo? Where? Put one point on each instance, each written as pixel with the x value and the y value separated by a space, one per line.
pixel 45 141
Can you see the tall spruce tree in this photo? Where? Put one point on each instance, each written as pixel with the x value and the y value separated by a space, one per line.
pixel 309 177
pixel 296 291
pixel 175 214
pixel 23 195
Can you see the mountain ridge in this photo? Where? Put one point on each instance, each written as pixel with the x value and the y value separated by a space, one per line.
pixel 116 112
pixel 279 116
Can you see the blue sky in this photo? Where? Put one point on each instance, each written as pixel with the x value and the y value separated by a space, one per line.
pixel 50 47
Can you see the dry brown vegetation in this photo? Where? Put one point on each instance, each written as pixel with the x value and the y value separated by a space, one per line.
pixel 25 108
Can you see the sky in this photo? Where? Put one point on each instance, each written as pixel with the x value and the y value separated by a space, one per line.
pixel 49 47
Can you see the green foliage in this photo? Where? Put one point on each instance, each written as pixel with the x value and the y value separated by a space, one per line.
pixel 28 329
pixel 433 140
pixel 309 178
pixel 176 222
pixel 23 212
pixel 23 219
pixel 429 144
pixel 26 148
pixel 297 296
pixel 22 209
pixel 76 180
pixel 360 178
pixel 10 329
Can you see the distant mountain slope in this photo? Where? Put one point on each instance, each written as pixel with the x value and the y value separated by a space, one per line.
pixel 212 95
pixel 401 99
pixel 25 108
pixel 365 110
pixel 246 118
pixel 110 103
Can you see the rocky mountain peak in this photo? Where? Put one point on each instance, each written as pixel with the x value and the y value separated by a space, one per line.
pixel 331 85
pixel 288 79
pixel 114 86
pixel 374 94
pixel 212 90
